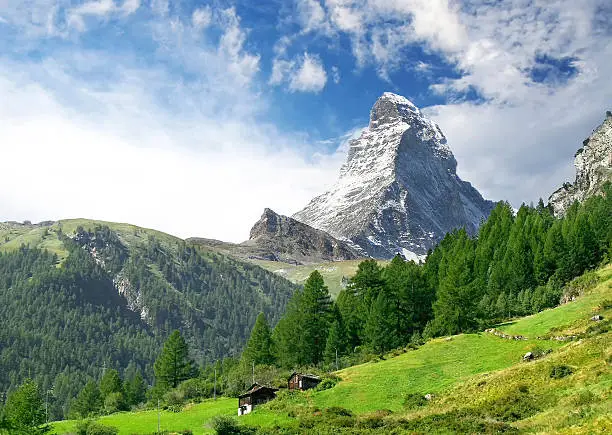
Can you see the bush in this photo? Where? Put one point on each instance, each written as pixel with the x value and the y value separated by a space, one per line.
pixel 539 352
pixel 414 400
pixel 89 427
pixel 174 400
pixel 224 425
pixel 115 402
pixel 515 405
pixel 328 382
pixel 599 328
pixel 560 371
pixel 338 410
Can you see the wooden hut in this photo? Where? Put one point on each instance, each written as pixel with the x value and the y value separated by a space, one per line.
pixel 302 381
pixel 256 395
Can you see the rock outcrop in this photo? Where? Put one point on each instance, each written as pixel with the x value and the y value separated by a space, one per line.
pixel 398 191
pixel 283 236
pixel 593 164
pixel 276 237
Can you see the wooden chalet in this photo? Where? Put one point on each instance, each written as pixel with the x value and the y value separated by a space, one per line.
pixel 302 381
pixel 256 395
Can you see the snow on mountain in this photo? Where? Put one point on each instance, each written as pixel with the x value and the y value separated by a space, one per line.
pixel 398 191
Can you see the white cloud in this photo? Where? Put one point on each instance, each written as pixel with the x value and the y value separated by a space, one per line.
pixel 201 18
pixel 101 9
pixel 304 73
pixel 310 75
pixel 117 141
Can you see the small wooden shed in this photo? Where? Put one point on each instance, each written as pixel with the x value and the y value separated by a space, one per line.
pixel 256 395
pixel 302 381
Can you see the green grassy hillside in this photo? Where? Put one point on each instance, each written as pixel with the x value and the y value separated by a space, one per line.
pixel 478 381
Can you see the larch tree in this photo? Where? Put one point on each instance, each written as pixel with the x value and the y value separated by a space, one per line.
pixel 173 364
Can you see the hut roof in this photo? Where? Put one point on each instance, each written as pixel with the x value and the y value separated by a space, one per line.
pixel 255 388
pixel 305 375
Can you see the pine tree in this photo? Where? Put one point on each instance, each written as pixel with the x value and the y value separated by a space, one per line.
pixel 336 338
pixel 173 364
pixel 88 402
pixel 315 307
pixel 259 346
pixel 25 409
pixel 110 383
pixel 380 326
pixel 135 389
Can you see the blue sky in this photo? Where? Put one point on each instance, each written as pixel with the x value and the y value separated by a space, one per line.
pixel 191 117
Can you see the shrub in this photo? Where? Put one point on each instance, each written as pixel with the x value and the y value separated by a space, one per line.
pixel 579 285
pixel 584 397
pixel 539 352
pixel 338 410
pixel 224 425
pixel 174 400
pixel 560 371
pixel 89 427
pixel 598 328
pixel 414 400
pixel 328 382
pixel 513 406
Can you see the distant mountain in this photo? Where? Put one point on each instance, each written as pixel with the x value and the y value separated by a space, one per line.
pixel 593 164
pixel 398 190
pixel 80 295
pixel 280 238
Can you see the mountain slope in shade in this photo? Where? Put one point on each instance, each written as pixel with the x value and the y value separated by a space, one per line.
pixel 398 191
pixel 593 164
pixel 283 239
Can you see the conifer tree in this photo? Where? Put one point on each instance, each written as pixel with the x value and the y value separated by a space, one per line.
pixel 336 338
pixel 88 402
pixel 259 346
pixel 173 364
pixel 380 326
pixel 110 383
pixel 135 389
pixel 314 308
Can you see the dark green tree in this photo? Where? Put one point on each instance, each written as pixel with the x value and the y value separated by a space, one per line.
pixel 173 364
pixel 88 403
pixel 135 389
pixel 380 327
pixel 110 383
pixel 259 346
pixel 315 309
pixel 336 338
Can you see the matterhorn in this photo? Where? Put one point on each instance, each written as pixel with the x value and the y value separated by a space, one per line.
pixel 398 191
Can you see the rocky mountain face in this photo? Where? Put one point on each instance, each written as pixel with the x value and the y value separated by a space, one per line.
pixel 593 164
pixel 398 191
pixel 280 238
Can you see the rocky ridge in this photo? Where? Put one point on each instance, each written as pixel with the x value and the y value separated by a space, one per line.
pixel 276 237
pixel 398 191
pixel 593 164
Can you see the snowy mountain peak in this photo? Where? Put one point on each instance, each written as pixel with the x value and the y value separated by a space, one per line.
pixel 391 108
pixel 398 190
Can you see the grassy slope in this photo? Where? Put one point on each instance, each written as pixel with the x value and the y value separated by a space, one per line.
pixel 574 314
pixel 464 371
pixel 332 272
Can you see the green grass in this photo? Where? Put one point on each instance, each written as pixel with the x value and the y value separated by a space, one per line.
pixel 576 313
pixel 430 369
pixel 196 417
